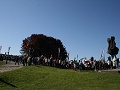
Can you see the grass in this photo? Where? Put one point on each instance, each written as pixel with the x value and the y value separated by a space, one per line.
pixel 2 63
pixel 49 78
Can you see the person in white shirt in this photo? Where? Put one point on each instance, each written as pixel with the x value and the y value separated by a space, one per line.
pixel 114 64
pixel 109 64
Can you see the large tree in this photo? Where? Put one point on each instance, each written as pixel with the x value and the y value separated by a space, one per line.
pixel 39 44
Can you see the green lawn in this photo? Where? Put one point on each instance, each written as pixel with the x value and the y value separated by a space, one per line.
pixel 49 78
pixel 2 63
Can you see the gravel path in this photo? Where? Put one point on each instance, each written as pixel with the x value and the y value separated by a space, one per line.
pixel 10 66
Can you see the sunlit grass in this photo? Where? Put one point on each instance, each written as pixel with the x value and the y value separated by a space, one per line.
pixel 49 78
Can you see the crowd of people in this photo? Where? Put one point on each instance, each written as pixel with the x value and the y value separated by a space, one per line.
pixel 82 64
pixel 96 65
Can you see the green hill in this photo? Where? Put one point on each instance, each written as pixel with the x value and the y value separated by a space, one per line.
pixel 49 78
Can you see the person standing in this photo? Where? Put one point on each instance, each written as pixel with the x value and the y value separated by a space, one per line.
pixel 117 61
pixel 80 65
pixel 114 64
pixel 109 64
pixel 75 66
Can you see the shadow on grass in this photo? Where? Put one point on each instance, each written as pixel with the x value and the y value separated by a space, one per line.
pixel 7 83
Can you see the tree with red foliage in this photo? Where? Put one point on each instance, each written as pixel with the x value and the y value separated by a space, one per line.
pixel 39 44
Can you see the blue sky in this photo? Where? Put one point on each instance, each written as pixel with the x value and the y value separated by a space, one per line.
pixel 82 25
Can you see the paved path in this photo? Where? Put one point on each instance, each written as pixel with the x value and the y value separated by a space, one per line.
pixel 117 70
pixel 10 66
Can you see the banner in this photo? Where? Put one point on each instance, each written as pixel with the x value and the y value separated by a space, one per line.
pixel 77 57
pixel 0 48
pixel 102 57
pixel 68 55
pixel 9 49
